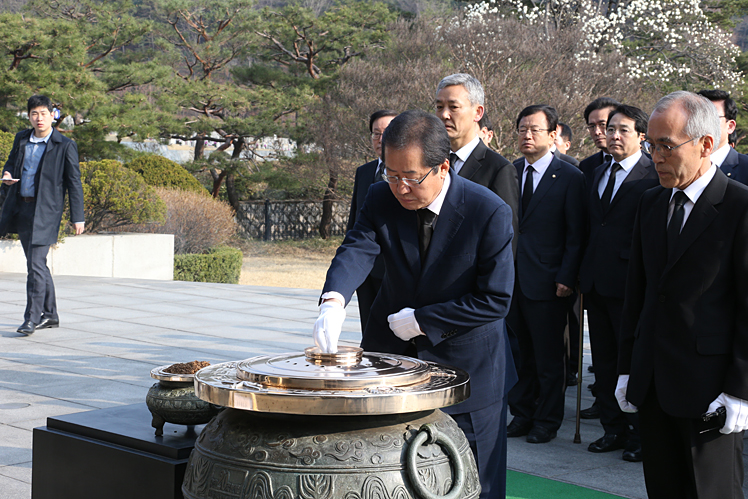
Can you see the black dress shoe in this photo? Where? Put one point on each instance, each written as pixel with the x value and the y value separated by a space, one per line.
pixel 27 328
pixel 633 452
pixel 608 442
pixel 571 379
pixel 518 428
pixel 592 412
pixel 591 368
pixel 540 435
pixel 48 323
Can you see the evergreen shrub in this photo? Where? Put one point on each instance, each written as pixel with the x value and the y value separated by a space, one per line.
pixel 6 144
pixel 162 172
pixel 222 264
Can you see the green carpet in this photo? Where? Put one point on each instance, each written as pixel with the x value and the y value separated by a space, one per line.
pixel 524 486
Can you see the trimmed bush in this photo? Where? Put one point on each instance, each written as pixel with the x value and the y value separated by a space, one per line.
pixel 161 172
pixel 6 144
pixel 198 222
pixel 222 264
pixel 114 196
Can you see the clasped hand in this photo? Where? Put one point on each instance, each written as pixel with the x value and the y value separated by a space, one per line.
pixel 736 413
pixel 328 326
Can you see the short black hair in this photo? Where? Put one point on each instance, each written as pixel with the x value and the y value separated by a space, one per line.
pixel 732 137
pixel 418 128
pixel 39 101
pixel 565 131
pixel 382 113
pixel 599 103
pixel 731 109
pixel 551 115
pixel 485 122
pixel 640 117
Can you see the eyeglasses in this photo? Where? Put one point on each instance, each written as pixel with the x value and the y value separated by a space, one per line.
pixel 376 135
pixel 596 126
pixel 620 131
pixel 410 182
pixel 534 131
pixel 664 150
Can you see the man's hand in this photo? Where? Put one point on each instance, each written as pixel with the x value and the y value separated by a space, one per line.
pixel 328 325
pixel 563 291
pixel 8 179
pixel 736 412
pixel 78 228
pixel 621 386
pixel 404 324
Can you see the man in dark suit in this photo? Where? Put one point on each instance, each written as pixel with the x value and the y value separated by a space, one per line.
pixel 366 175
pixel 446 244
pixel 41 168
pixel 596 117
pixel 563 143
pixel 684 348
pixel 459 104
pixel 617 188
pixel 731 162
pixel 549 249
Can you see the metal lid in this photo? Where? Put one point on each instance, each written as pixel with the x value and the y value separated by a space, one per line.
pixel 347 383
pixel 161 374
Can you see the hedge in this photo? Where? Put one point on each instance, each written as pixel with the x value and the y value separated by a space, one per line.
pixel 222 264
pixel 162 172
pixel 6 144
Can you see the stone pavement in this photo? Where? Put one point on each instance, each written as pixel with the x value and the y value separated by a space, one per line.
pixel 114 331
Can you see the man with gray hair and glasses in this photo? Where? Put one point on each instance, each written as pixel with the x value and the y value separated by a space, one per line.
pixel 683 356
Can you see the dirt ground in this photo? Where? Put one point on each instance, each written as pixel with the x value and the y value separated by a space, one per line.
pixel 288 264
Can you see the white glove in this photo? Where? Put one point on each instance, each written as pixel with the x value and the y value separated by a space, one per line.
pixel 736 412
pixel 621 386
pixel 328 325
pixel 404 324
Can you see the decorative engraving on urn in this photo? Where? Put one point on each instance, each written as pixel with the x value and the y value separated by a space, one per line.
pixel 316 487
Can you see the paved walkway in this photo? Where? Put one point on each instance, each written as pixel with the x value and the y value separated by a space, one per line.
pixel 114 331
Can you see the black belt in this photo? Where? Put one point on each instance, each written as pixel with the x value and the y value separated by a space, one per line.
pixel 27 200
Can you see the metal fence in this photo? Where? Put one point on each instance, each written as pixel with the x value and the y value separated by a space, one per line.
pixel 277 220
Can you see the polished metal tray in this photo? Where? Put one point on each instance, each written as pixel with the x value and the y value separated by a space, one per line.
pixel 347 383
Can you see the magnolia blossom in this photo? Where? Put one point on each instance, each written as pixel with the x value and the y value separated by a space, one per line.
pixel 670 43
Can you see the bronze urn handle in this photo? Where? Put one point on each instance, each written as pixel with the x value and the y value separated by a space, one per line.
pixel 429 434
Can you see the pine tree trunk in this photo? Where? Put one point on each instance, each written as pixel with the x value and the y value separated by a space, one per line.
pixel 199 148
pixel 325 224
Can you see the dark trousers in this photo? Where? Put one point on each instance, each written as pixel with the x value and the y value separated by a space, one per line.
pixel 604 316
pixel 539 325
pixel 366 294
pixel 40 289
pixel 485 430
pixel 680 463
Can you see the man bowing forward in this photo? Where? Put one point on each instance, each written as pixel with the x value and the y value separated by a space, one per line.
pixel 446 245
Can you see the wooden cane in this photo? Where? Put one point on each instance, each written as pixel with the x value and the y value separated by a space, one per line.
pixel 577 437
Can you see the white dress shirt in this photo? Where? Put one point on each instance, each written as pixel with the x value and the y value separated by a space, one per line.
pixel 540 166
pixel 626 166
pixel 464 152
pixel 693 192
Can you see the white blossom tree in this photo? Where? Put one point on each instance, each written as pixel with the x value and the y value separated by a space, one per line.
pixel 670 44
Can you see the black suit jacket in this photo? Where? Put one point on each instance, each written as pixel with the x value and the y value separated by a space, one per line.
pixel 363 180
pixel 735 166
pixel 460 294
pixel 685 320
pixel 551 233
pixel 491 169
pixel 588 166
pixel 58 174
pixel 606 257
pixel 565 157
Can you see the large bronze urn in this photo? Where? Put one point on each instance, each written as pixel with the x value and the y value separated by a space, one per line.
pixel 351 425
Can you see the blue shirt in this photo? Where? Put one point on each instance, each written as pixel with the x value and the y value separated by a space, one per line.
pixel 34 150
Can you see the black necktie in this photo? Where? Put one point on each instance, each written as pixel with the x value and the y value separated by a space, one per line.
pixel 379 173
pixel 527 190
pixel 676 222
pixel 452 159
pixel 606 158
pixel 426 219
pixel 608 192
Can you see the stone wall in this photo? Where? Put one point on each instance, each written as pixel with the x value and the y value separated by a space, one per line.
pixel 276 220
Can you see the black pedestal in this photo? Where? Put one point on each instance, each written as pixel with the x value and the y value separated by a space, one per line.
pixel 110 453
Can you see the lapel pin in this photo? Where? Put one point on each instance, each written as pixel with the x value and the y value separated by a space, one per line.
pixel 553 176
pixel 729 174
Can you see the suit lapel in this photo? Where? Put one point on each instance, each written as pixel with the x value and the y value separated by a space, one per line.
pixel 448 223
pixel 546 181
pixel 638 172
pixel 407 227
pixel 702 214
pixel 472 164
pixel 730 162
pixel 595 197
